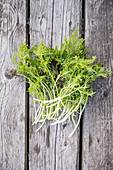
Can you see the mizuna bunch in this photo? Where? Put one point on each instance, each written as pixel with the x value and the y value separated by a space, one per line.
pixel 60 80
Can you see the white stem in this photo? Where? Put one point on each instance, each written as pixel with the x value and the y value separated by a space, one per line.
pixel 41 125
pixel 50 101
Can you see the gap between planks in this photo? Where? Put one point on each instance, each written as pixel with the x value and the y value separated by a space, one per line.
pixel 26 92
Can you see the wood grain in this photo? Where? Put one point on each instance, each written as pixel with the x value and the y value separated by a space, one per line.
pixel 12 90
pixel 50 148
pixel 98 117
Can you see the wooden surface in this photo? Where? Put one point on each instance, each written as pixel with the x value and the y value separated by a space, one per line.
pixel 51 148
pixel 12 97
pixel 98 117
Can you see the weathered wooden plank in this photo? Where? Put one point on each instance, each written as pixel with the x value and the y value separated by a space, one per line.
pixel 98 117
pixel 12 90
pixel 51 148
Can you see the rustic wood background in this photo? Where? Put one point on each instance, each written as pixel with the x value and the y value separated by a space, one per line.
pixel 91 147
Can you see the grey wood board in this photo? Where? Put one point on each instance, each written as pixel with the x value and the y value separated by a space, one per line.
pixel 51 148
pixel 98 117
pixel 12 91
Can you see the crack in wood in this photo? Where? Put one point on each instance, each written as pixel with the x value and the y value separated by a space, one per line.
pixel 48 137
pixel 37 149
pixel 55 147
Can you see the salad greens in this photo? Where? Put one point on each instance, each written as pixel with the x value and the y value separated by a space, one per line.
pixel 60 80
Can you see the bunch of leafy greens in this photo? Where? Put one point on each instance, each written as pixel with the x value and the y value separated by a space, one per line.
pixel 60 80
